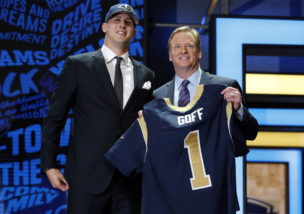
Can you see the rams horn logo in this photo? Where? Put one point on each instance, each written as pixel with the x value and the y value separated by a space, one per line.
pixel 127 7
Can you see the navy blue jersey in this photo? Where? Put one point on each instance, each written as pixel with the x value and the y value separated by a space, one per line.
pixel 186 154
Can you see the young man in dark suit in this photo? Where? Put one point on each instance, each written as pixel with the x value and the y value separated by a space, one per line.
pixel 185 53
pixel 105 89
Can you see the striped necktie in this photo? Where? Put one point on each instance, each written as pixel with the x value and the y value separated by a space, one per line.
pixel 184 95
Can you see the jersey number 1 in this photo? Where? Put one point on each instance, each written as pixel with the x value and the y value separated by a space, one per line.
pixel 200 179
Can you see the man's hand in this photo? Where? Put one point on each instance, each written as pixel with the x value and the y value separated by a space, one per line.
pixel 233 95
pixel 57 179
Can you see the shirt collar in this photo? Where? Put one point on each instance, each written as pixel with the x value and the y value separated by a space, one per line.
pixel 109 55
pixel 194 79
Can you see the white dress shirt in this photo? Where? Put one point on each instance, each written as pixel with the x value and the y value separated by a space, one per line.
pixel 194 80
pixel 126 66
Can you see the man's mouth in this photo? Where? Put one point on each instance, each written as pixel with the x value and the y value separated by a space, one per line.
pixel 121 33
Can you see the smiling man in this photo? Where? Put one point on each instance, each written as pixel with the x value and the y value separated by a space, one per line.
pixel 105 89
pixel 185 54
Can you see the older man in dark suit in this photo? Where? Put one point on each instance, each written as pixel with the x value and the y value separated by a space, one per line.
pixel 105 89
pixel 185 53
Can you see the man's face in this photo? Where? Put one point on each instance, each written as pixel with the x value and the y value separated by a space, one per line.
pixel 183 52
pixel 119 29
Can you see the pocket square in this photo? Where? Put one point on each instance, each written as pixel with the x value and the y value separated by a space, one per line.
pixel 147 85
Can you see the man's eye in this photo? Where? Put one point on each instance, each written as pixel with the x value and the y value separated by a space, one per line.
pixel 177 46
pixel 128 23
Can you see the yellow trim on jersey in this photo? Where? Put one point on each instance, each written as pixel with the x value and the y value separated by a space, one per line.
pixel 198 94
pixel 200 179
pixel 278 139
pixel 228 113
pixel 278 84
pixel 143 126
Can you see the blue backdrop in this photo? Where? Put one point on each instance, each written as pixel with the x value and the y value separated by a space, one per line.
pixel 35 38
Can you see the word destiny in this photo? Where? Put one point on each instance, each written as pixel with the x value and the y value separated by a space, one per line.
pixel 189 118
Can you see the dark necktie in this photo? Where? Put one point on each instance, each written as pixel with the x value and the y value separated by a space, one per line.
pixel 184 95
pixel 118 84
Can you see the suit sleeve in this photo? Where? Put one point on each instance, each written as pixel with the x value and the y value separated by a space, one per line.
pixel 240 147
pixel 249 125
pixel 60 104
pixel 128 153
pixel 236 135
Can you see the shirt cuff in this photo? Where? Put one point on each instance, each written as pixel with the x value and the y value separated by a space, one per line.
pixel 240 113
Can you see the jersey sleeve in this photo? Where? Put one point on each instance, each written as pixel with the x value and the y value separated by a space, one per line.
pixel 128 153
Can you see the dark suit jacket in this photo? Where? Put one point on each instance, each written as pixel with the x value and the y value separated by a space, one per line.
pixel 85 86
pixel 248 125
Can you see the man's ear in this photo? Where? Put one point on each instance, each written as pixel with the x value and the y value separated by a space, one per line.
pixel 104 27
pixel 199 53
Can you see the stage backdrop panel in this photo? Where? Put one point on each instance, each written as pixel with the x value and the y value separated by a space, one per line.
pixel 35 39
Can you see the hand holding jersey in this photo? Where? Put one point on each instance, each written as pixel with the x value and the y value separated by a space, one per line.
pixel 233 95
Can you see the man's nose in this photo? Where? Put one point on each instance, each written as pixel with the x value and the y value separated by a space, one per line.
pixel 122 24
pixel 184 49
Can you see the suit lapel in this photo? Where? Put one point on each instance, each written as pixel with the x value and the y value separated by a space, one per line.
pixel 137 74
pixel 167 90
pixel 205 78
pixel 101 68
pixel 170 92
